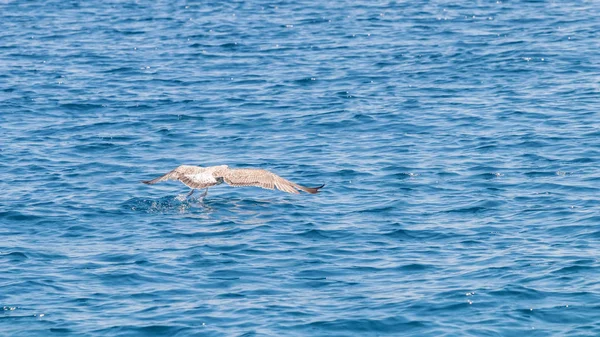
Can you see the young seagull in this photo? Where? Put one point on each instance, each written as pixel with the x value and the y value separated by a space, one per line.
pixel 205 177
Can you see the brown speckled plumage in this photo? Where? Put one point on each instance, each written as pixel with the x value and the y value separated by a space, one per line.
pixel 204 177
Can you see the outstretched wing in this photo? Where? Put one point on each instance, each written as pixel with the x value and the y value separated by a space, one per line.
pixel 262 178
pixel 192 176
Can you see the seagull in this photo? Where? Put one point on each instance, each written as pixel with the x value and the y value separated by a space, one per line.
pixel 204 177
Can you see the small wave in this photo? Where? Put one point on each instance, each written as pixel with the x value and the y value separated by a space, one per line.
pixel 410 235
pixel 575 269
pixel 518 292
pixel 536 174
pixel 306 81
pixel 478 207
pixel 488 176
pixel 414 267
pixel 148 330
pixel 61 330
pixel 403 175
pixel 316 234
pixel 230 45
pixel 81 106
pixel 229 274
pixel 401 234
pixel 123 70
pixel 383 209
pixel 18 216
pixel 15 256
pixel 370 326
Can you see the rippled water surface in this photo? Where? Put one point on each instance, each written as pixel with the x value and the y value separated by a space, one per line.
pixel 459 142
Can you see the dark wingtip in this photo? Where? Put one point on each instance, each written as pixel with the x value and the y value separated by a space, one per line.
pixel 147 182
pixel 314 190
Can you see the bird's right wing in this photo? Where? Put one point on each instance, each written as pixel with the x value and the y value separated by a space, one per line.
pixel 173 175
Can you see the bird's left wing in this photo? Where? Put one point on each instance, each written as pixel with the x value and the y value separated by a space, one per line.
pixel 262 178
pixel 191 176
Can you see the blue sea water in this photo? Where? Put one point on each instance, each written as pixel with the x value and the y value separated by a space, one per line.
pixel 459 143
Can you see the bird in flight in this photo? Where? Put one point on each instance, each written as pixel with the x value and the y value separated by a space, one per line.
pixel 205 177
